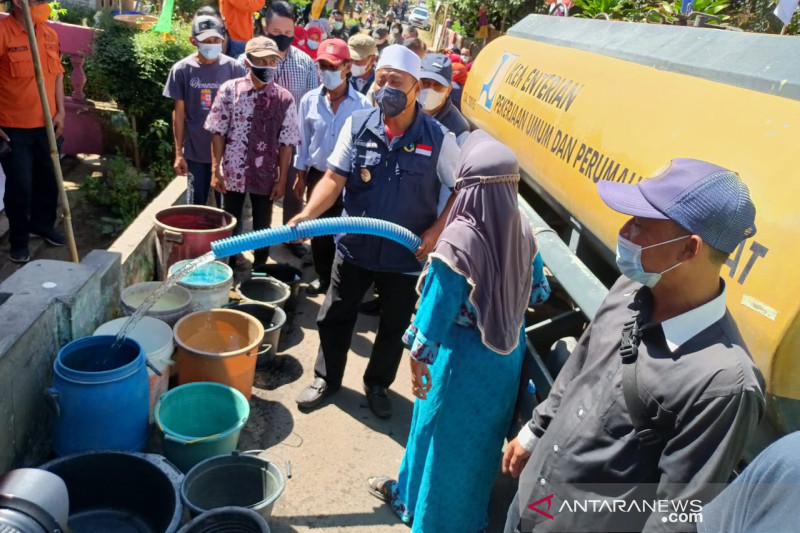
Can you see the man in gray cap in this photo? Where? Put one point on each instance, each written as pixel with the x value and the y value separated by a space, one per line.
pixel 192 84
pixel 653 408
pixel 437 83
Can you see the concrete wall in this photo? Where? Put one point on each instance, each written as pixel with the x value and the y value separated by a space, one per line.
pixel 47 304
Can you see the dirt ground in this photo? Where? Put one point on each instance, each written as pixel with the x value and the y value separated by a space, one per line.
pixel 85 219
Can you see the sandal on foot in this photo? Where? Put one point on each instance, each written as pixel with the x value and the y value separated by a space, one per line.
pixel 381 487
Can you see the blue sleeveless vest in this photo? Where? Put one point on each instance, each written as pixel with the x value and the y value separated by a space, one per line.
pixel 394 181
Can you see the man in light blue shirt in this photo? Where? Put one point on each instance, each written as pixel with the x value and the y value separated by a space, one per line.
pixel 322 113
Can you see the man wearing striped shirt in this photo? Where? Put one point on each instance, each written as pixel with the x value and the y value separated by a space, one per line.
pixel 298 75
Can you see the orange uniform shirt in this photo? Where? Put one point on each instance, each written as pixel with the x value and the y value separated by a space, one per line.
pixel 238 17
pixel 20 106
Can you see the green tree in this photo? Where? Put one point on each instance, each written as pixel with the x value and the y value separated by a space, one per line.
pixel 501 13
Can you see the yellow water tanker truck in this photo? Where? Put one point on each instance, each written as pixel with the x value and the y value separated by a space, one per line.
pixel 583 100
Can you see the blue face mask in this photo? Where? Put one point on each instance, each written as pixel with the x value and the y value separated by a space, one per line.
pixel 391 101
pixel 209 51
pixel 629 261
pixel 331 79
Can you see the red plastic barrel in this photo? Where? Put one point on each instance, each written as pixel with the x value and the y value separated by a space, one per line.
pixel 187 231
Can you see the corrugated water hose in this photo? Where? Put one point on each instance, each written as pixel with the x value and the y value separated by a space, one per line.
pixel 315 228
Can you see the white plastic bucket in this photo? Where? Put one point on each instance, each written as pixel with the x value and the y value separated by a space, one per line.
pixel 210 284
pixel 170 308
pixel 156 339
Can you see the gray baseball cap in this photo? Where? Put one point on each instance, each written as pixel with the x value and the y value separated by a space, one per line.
pixel 205 26
pixel 437 67
pixel 703 198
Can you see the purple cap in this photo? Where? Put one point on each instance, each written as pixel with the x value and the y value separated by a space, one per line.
pixel 704 198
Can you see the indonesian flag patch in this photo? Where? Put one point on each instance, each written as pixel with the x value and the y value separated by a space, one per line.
pixel 424 149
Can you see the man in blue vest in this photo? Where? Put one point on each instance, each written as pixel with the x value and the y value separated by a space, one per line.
pixel 386 161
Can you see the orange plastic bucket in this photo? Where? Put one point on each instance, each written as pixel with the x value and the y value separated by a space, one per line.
pixel 218 345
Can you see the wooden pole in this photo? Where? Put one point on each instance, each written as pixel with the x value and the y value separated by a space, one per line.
pixel 785 30
pixel 443 34
pixel 48 126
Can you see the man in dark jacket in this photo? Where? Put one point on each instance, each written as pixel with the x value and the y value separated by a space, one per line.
pixel 437 84
pixel 653 408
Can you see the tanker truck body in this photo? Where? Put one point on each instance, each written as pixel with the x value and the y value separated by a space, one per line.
pixel 581 101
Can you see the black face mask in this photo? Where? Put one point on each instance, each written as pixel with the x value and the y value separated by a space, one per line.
pixel 263 74
pixel 283 41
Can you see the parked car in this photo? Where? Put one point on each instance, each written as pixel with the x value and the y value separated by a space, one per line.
pixel 419 17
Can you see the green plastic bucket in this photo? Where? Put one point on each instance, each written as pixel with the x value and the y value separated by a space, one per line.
pixel 200 420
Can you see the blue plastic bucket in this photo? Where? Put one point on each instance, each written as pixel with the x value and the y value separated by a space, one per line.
pixel 100 396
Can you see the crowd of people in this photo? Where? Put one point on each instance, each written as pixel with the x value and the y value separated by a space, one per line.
pixel 660 393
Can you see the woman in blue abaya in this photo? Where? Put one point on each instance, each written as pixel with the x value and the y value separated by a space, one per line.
pixel 467 344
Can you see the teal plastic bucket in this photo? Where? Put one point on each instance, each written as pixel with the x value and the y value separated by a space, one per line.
pixel 200 420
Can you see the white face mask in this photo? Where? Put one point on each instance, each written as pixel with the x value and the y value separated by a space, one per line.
pixel 465 59
pixel 629 261
pixel 209 51
pixel 313 44
pixel 359 70
pixel 331 79
pixel 430 99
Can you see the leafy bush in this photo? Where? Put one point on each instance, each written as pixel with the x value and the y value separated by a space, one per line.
pixel 185 9
pixel 717 8
pixel 79 14
pixel 130 68
pixel 119 190
pixel 615 9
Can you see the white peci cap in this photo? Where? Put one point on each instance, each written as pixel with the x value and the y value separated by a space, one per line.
pixel 399 57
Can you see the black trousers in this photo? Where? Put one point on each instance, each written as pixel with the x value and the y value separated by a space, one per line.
pixel 338 315
pixel 262 218
pixel 31 196
pixel 291 205
pixel 323 249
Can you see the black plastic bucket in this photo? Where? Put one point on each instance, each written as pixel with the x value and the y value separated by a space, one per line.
pixel 120 492
pixel 240 480
pixel 286 273
pixel 273 319
pixel 227 520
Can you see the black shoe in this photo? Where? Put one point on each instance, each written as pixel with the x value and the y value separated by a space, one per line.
pixel 297 249
pixel 317 287
pixel 371 308
pixel 314 394
pixel 52 237
pixel 20 256
pixel 379 402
